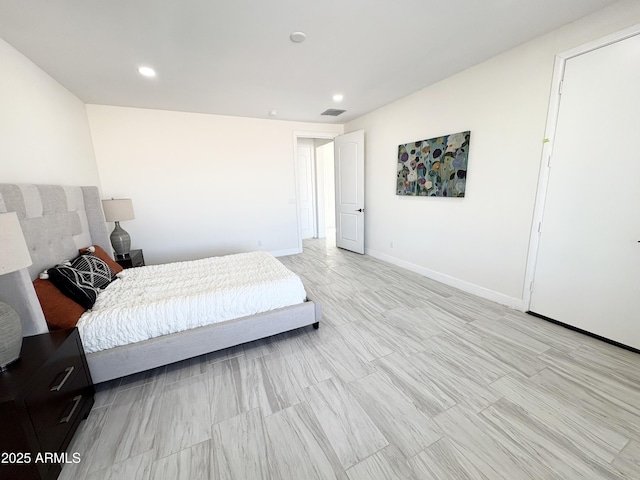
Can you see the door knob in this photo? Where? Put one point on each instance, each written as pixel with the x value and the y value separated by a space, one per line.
pixel 360 210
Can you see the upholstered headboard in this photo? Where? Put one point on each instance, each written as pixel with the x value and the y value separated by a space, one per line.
pixel 56 221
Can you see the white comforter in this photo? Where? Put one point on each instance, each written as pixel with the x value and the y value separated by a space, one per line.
pixel 156 300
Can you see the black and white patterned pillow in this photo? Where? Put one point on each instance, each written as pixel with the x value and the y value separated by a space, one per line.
pixel 74 283
pixel 98 271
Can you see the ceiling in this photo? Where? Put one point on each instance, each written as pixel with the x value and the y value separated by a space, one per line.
pixel 234 57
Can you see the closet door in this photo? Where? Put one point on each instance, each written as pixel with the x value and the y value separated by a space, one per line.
pixel 588 267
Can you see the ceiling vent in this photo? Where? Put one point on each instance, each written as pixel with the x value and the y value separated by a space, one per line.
pixel 334 112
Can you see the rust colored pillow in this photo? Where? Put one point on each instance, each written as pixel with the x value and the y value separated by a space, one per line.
pixel 104 256
pixel 59 310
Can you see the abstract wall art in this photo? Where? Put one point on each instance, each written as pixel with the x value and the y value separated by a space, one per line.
pixel 434 168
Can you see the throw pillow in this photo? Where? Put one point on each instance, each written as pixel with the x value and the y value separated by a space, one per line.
pixel 75 284
pixel 104 256
pixel 99 273
pixel 59 310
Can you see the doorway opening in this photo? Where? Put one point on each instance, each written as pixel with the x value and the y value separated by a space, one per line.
pixel 315 178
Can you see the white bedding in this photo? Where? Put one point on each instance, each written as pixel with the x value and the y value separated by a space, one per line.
pixel 157 300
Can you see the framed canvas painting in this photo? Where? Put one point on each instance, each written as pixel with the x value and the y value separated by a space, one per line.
pixel 436 167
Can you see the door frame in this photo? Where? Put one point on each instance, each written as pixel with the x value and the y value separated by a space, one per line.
pixel 547 150
pixel 296 136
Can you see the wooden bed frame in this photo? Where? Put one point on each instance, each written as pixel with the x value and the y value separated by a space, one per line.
pixel 57 221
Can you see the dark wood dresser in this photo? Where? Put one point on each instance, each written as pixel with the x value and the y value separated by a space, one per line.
pixel 134 258
pixel 43 398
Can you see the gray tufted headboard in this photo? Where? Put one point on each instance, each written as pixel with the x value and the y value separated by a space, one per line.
pixel 56 221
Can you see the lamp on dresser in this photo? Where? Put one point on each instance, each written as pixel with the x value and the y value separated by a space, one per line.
pixel 119 210
pixel 14 256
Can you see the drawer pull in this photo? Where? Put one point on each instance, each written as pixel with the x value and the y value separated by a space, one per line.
pixel 76 402
pixel 68 371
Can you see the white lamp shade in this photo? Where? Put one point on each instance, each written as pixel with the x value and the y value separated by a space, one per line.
pixel 14 254
pixel 118 209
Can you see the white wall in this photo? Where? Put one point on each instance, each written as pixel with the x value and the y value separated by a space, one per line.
pixel 44 133
pixel 478 243
pixel 201 184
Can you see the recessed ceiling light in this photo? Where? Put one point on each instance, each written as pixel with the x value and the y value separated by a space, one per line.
pixel 272 113
pixel 338 97
pixel 298 37
pixel 147 71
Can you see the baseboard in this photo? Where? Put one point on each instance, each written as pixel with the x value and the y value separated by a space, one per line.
pixel 584 332
pixel 284 253
pixel 512 302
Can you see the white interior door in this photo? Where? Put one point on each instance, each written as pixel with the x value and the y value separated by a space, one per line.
pixel 306 193
pixel 349 185
pixel 588 267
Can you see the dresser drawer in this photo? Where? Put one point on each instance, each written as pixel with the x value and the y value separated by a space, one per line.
pixel 43 398
pixel 64 414
pixel 55 387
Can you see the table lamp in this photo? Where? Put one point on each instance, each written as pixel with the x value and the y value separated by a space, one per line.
pixel 118 210
pixel 14 256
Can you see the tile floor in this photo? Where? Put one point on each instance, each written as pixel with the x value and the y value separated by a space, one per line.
pixel 405 379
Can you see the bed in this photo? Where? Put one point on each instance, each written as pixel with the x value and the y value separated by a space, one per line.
pixel 59 220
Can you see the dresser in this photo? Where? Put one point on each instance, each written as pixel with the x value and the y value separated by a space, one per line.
pixel 134 258
pixel 43 398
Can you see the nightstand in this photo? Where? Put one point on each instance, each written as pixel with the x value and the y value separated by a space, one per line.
pixel 135 258
pixel 43 398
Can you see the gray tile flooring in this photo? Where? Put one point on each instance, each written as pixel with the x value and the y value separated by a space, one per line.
pixel 405 379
